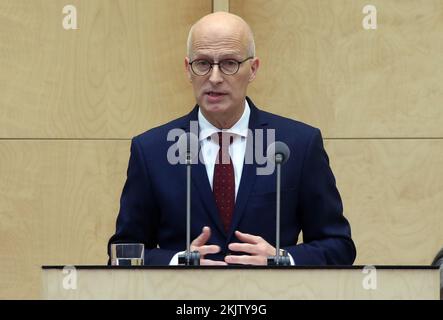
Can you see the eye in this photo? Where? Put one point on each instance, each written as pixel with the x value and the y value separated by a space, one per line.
pixel 201 63
pixel 229 63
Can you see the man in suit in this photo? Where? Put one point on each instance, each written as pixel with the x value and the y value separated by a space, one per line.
pixel 233 207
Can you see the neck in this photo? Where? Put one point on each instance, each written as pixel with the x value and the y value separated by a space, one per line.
pixel 224 120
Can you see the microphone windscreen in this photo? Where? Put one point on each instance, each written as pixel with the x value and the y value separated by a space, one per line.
pixel 278 147
pixel 188 144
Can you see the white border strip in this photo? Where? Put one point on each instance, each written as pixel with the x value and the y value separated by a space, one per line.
pixel 220 5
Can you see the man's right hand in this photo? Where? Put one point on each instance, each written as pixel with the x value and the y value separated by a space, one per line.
pixel 199 244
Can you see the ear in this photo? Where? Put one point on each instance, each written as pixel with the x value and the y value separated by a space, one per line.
pixel 188 69
pixel 254 68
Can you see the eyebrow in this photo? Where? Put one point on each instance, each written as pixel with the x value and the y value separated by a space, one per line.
pixel 231 55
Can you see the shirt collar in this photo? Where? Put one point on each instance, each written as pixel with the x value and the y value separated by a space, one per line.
pixel 240 128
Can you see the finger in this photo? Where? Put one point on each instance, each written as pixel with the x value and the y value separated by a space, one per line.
pixel 209 262
pixel 207 249
pixel 246 237
pixel 245 259
pixel 202 238
pixel 243 247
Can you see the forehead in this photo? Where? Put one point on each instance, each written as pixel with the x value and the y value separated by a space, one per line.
pixel 217 55
pixel 219 42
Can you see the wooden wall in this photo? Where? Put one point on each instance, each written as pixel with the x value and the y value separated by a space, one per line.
pixel 377 96
pixel 70 100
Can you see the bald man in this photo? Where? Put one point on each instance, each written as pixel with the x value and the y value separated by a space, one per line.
pixel 233 207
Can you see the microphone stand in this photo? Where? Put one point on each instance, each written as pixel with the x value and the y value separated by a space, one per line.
pixel 188 258
pixel 280 259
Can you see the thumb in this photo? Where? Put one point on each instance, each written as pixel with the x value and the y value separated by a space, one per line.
pixel 202 238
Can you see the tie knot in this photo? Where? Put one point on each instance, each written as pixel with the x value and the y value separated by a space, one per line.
pixel 224 139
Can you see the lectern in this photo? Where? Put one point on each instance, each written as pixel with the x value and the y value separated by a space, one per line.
pixel 240 283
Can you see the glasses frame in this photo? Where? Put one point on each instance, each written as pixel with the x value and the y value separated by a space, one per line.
pixel 218 64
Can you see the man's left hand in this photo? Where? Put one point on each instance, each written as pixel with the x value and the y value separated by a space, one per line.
pixel 257 249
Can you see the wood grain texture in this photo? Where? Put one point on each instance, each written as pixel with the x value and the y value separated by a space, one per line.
pixel 58 205
pixel 319 65
pixel 392 192
pixel 120 72
pixel 225 284
pixel 59 201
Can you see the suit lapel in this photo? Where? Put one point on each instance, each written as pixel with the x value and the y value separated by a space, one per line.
pixel 200 180
pixel 201 183
pixel 249 172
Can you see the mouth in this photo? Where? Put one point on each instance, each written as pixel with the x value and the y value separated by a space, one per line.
pixel 215 94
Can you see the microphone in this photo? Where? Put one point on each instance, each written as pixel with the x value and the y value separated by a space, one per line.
pixel 188 147
pixel 278 152
pixel 188 154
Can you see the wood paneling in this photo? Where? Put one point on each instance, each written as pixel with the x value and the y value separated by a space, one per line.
pixel 58 205
pixel 243 284
pixel 392 192
pixel 319 65
pixel 120 72
pixel 59 201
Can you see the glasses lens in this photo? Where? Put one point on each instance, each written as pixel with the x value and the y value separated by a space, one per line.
pixel 201 66
pixel 229 66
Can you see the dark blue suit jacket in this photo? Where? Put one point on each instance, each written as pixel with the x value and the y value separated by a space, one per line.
pixel 153 201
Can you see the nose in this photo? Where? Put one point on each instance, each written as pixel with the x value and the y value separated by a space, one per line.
pixel 215 75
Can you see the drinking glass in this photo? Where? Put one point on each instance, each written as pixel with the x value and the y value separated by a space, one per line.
pixel 127 254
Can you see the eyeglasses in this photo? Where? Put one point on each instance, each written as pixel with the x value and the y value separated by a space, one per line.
pixel 201 67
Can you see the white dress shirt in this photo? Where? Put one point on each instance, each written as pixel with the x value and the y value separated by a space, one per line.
pixel 210 148
pixel 237 149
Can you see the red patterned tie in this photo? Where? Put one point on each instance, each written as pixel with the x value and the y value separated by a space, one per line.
pixel 224 181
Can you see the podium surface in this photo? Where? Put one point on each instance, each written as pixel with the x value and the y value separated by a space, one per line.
pixel 240 283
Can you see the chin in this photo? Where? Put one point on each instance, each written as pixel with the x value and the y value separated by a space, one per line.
pixel 215 108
